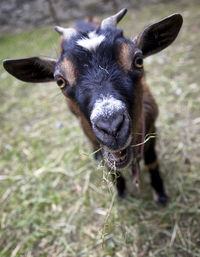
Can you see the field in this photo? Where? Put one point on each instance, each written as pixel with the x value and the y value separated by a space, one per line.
pixel 56 201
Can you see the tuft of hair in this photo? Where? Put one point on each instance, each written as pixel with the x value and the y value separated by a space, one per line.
pixel 91 42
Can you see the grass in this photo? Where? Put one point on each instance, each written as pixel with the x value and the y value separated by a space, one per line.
pixel 57 201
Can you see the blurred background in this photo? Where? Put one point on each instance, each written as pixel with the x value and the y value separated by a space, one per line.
pixel 55 200
pixel 16 15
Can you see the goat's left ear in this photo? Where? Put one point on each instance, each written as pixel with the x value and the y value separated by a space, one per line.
pixel 32 69
pixel 159 35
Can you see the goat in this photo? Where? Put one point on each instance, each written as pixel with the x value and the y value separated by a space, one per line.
pixel 101 75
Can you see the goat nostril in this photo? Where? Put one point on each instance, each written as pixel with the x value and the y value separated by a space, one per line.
pixel 120 123
pixel 102 129
pixel 103 125
pixel 110 126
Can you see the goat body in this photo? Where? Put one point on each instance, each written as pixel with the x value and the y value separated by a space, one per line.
pixel 101 74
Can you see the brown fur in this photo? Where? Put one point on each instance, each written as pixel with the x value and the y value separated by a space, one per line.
pixel 83 121
pixel 69 71
pixel 137 112
pixel 145 111
pixel 149 106
pixel 125 56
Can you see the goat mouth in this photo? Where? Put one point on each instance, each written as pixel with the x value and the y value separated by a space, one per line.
pixel 118 159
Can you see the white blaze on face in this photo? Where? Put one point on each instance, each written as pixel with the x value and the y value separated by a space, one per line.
pixel 106 106
pixel 92 42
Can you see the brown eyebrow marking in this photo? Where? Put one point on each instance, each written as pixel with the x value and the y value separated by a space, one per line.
pixel 126 54
pixel 69 71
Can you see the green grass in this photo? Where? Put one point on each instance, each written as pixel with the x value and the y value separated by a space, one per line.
pixel 57 201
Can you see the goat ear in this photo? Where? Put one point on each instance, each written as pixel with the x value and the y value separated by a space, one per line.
pixel 159 35
pixel 32 69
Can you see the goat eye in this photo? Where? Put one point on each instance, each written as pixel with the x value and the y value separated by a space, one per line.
pixel 61 82
pixel 138 62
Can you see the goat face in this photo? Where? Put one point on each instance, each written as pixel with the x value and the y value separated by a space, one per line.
pixel 100 72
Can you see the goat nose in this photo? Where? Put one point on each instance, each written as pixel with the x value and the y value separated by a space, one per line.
pixel 110 126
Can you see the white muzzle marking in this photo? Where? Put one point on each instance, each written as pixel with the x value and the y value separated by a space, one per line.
pixel 105 106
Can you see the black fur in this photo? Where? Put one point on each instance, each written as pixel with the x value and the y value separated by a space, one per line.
pixel 98 71
pixel 120 183
pixel 150 157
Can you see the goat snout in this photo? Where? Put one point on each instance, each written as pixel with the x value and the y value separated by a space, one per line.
pixel 112 132
pixel 110 126
pixel 111 123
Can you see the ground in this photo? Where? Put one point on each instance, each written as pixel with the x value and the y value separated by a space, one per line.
pixel 57 201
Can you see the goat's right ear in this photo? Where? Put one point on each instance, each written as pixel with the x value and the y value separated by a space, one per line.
pixel 159 35
pixel 32 69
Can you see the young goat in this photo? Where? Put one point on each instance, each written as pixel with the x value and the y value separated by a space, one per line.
pixel 101 74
